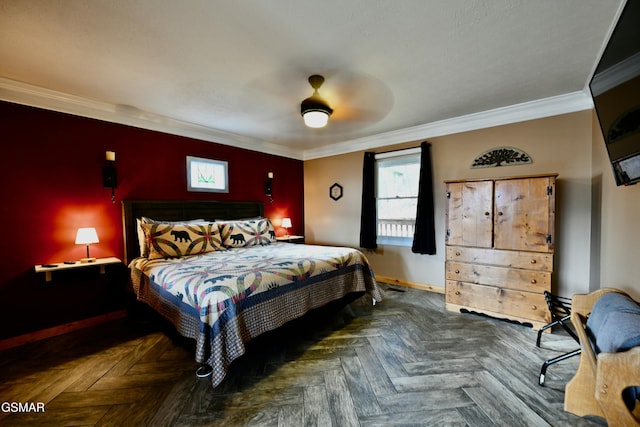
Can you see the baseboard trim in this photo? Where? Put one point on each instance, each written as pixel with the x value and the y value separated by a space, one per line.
pixel 60 330
pixel 408 284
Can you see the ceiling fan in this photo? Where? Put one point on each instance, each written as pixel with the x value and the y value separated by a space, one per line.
pixel 352 100
pixel 315 110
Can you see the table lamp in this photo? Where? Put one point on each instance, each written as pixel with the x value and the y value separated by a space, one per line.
pixel 87 236
pixel 286 224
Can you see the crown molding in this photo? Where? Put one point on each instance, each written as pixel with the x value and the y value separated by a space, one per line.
pixel 35 96
pixel 547 107
pixel 623 71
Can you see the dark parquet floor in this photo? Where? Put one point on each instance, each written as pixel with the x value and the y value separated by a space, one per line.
pixel 405 361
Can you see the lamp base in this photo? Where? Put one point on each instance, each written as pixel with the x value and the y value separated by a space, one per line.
pixel 86 260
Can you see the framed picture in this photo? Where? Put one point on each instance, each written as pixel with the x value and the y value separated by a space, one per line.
pixel 207 175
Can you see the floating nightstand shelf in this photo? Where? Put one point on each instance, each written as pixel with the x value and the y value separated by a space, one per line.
pixel 291 239
pixel 48 269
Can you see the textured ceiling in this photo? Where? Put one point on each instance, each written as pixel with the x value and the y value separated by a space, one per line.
pixel 236 71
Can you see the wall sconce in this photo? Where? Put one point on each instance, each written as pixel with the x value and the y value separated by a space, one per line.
pixel 109 177
pixel 286 224
pixel 268 186
pixel 86 236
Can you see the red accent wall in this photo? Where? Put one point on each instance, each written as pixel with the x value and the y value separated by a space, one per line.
pixel 52 185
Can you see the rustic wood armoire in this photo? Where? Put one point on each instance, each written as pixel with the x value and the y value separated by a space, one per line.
pixel 499 246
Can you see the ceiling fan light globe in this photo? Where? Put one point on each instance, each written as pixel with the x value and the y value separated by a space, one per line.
pixel 315 119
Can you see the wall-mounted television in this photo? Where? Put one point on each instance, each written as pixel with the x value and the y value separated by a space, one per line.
pixel 615 88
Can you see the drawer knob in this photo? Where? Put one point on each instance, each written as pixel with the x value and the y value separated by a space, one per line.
pixel 499 213
pixel 457 292
pixel 534 281
pixel 533 261
pixel 487 214
pixel 533 307
pixel 457 253
pixel 457 271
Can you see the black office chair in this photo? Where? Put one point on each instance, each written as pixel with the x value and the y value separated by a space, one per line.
pixel 560 308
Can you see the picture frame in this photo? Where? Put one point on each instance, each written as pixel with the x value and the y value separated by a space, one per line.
pixel 207 175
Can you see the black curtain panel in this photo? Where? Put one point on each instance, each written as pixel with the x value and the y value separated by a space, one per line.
pixel 424 238
pixel 368 214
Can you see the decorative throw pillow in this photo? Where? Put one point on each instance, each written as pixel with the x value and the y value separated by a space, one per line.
pixel 177 240
pixel 252 232
pixel 142 239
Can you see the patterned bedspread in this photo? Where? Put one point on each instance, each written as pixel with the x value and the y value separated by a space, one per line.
pixel 224 299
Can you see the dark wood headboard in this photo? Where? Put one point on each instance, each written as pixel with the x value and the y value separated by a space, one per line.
pixel 177 210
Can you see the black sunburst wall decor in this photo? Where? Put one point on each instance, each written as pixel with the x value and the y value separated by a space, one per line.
pixel 501 156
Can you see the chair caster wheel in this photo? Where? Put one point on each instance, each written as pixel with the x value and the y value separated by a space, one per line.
pixel 204 371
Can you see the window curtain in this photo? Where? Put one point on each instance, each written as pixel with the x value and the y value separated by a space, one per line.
pixel 368 215
pixel 424 238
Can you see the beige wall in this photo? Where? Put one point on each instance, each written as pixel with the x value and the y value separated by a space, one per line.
pixel 616 219
pixel 560 144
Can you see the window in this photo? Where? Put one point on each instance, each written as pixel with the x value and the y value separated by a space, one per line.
pixel 397 180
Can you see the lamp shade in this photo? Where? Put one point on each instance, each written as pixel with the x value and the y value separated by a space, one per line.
pixel 86 236
pixel 286 222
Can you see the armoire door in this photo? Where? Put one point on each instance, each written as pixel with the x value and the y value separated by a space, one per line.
pixel 524 214
pixel 470 213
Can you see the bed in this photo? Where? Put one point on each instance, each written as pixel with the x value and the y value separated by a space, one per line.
pixel 216 271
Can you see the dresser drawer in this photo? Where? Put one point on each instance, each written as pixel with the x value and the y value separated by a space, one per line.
pixel 509 278
pixel 514 259
pixel 489 299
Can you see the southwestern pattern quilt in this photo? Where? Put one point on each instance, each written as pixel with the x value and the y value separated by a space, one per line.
pixel 225 298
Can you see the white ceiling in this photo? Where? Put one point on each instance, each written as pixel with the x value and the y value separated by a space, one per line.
pixel 235 72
